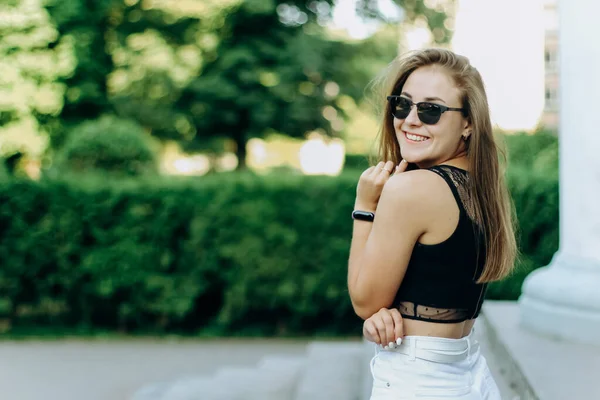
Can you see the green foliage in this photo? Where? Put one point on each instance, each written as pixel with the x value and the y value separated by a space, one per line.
pixel 113 38
pixel 155 54
pixel 33 58
pixel 288 76
pixel 3 170
pixel 533 179
pixel 228 254
pixel 356 161
pixel 254 80
pixel 537 151
pixel 435 15
pixel 84 24
pixel 207 72
pixel 535 195
pixel 108 144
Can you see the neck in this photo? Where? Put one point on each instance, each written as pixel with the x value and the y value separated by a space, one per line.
pixel 460 161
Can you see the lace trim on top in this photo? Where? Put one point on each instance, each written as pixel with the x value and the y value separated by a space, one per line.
pixel 411 310
pixel 460 182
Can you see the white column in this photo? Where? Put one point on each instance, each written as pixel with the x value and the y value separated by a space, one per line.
pixel 563 299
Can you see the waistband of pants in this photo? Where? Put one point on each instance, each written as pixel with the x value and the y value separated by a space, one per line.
pixel 435 349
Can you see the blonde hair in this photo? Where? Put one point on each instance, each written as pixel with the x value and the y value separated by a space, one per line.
pixel 492 205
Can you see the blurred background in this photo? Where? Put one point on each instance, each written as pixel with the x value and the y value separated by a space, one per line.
pixel 177 169
pixel 188 167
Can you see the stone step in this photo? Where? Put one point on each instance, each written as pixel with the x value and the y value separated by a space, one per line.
pixel 329 370
pixel 326 371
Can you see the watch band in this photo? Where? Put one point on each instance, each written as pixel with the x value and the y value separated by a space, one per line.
pixel 363 215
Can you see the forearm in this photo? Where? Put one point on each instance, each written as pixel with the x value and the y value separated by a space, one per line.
pixel 357 286
pixel 360 234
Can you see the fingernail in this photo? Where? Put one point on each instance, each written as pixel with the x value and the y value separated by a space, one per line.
pixel 399 341
pixel 386 348
pixel 391 345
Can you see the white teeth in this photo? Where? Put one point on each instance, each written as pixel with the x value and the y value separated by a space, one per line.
pixel 416 138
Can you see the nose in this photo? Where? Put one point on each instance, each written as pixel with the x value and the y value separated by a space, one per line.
pixel 413 118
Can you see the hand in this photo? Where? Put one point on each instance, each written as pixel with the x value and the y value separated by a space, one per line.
pixel 371 182
pixel 384 327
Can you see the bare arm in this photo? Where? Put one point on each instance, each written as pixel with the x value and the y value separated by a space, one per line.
pixel 380 252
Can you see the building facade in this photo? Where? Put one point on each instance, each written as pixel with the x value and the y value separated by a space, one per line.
pixel 549 118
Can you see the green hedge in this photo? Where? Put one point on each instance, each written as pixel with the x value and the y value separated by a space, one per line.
pixel 226 254
pixel 535 195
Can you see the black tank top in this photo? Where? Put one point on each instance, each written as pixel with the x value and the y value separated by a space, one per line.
pixel 440 280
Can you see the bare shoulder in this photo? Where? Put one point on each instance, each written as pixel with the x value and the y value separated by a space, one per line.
pixel 418 186
pixel 412 200
pixel 416 200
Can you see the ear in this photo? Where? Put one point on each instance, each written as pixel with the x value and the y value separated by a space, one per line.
pixel 467 129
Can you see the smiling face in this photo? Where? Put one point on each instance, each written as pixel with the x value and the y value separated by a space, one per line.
pixel 428 145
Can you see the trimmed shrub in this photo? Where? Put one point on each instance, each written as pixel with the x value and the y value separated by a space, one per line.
pixel 109 144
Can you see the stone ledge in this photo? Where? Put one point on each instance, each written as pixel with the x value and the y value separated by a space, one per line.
pixel 509 369
pixel 540 367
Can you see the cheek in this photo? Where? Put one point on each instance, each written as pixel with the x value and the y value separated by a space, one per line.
pixel 398 130
pixel 447 133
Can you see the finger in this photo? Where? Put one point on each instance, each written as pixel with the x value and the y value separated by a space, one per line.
pixel 372 334
pixel 378 168
pixel 389 328
pixel 386 170
pixel 401 167
pixel 381 331
pixel 398 325
pixel 368 331
pixel 389 167
pixel 368 171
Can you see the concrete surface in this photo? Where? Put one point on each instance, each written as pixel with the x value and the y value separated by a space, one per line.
pixel 543 367
pixel 114 370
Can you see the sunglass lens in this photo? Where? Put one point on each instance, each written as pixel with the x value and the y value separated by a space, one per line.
pixel 429 113
pixel 400 108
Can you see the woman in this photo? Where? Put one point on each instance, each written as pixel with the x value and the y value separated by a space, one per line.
pixel 433 225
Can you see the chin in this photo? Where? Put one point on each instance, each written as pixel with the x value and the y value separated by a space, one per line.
pixel 412 158
pixel 416 162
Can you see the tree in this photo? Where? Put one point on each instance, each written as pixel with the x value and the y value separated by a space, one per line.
pixel 434 12
pixel 33 59
pixel 228 68
pixel 110 39
pixel 155 55
pixel 85 25
pixel 273 68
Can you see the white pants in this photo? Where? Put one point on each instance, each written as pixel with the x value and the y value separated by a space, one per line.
pixel 433 368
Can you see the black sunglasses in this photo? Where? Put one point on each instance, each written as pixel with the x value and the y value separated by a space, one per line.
pixel 429 113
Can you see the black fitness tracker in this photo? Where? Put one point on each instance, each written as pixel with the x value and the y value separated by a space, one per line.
pixel 363 215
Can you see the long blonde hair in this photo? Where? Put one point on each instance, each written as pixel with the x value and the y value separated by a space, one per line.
pixel 492 205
